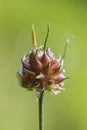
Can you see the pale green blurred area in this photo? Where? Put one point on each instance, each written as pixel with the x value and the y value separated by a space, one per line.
pixel 18 107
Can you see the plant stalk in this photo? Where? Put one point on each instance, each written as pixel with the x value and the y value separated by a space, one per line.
pixel 41 111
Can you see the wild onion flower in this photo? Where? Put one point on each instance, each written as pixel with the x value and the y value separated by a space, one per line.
pixel 40 70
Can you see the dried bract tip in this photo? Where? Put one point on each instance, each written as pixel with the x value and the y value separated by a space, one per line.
pixel 34 41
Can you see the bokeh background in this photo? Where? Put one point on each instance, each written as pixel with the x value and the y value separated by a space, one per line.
pixel 18 107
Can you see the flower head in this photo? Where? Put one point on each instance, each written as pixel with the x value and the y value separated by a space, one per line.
pixel 41 70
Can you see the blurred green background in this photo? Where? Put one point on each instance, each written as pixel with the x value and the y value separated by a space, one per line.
pixel 18 107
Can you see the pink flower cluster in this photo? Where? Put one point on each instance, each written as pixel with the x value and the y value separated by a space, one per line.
pixel 40 70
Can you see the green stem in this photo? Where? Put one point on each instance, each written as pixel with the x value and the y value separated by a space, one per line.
pixel 46 36
pixel 41 111
pixel 65 49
